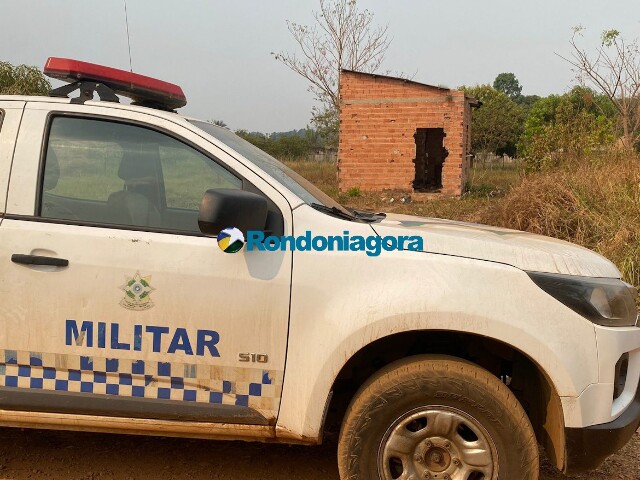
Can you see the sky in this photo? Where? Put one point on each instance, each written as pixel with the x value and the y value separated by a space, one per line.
pixel 219 52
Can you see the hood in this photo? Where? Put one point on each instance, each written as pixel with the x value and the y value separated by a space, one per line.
pixel 526 251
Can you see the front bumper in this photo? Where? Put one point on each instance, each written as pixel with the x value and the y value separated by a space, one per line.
pixel 588 447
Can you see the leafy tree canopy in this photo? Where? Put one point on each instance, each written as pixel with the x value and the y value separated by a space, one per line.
pixel 576 123
pixel 22 80
pixel 508 84
pixel 497 124
pixel 327 123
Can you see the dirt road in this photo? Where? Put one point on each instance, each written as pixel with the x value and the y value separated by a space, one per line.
pixel 32 454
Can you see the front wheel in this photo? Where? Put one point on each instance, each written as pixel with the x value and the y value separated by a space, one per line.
pixel 436 418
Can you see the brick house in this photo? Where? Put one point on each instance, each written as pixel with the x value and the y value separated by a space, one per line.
pixel 402 135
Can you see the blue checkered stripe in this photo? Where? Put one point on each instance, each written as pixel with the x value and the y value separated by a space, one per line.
pixel 249 387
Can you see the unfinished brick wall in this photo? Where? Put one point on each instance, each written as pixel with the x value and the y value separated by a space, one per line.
pixel 379 116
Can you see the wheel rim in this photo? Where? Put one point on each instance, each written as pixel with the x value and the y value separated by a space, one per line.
pixel 437 443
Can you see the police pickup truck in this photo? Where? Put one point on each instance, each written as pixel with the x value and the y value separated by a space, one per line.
pixel 132 303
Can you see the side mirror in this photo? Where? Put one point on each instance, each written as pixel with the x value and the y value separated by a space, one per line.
pixel 221 208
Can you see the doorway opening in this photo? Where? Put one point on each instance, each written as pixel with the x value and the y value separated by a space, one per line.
pixel 430 157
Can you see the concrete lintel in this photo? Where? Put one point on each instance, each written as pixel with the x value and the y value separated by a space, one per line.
pixel 373 101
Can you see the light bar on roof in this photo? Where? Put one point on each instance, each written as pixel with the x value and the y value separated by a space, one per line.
pixel 141 89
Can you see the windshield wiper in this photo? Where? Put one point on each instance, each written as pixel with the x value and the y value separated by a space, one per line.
pixel 369 216
pixel 335 211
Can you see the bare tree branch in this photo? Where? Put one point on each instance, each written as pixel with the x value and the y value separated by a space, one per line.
pixel 614 69
pixel 343 37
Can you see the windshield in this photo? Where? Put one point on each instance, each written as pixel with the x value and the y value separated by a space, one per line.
pixel 299 185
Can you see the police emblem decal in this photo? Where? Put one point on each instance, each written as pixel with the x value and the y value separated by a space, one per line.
pixel 137 290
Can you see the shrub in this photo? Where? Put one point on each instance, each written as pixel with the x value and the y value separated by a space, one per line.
pixel 353 192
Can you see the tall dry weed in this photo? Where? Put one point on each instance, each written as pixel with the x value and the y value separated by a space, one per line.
pixel 594 205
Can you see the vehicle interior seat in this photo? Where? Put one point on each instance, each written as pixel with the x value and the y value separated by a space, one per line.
pixel 137 202
pixel 50 207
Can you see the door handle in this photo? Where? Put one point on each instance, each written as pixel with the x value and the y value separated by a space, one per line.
pixel 39 260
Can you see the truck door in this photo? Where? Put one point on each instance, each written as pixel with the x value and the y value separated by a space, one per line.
pixel 10 115
pixel 114 303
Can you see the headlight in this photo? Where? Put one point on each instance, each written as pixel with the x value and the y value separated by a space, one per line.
pixel 605 301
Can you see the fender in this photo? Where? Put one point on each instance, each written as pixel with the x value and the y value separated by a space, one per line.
pixel 363 301
pixel 315 410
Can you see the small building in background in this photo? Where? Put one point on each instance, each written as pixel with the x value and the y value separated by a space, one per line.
pixel 403 135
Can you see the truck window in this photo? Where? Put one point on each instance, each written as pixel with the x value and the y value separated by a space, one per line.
pixel 98 172
pixel 290 179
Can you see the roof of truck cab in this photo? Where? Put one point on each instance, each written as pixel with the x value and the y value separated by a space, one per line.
pixel 117 106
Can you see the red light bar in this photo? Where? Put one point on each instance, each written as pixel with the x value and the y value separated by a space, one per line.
pixel 141 89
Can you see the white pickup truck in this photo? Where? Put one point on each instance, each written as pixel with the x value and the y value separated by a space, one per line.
pixel 451 357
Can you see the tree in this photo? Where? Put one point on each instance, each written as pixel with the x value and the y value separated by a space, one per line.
pixel 541 114
pixel 343 37
pixel 497 124
pixel 614 70
pixel 569 126
pixel 508 84
pixel 22 80
pixel 284 145
pixel 327 123
pixel 527 101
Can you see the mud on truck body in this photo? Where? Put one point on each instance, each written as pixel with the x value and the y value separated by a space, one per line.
pixel 121 314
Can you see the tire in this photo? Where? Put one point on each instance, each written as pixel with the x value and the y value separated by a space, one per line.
pixel 436 418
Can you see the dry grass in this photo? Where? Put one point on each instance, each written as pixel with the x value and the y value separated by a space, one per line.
pixel 322 174
pixel 597 206
pixel 594 205
pixel 484 185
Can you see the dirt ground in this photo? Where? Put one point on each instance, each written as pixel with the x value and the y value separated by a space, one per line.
pixel 33 454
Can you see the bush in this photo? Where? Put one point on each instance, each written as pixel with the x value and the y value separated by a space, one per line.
pixel 294 144
pixel 354 192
